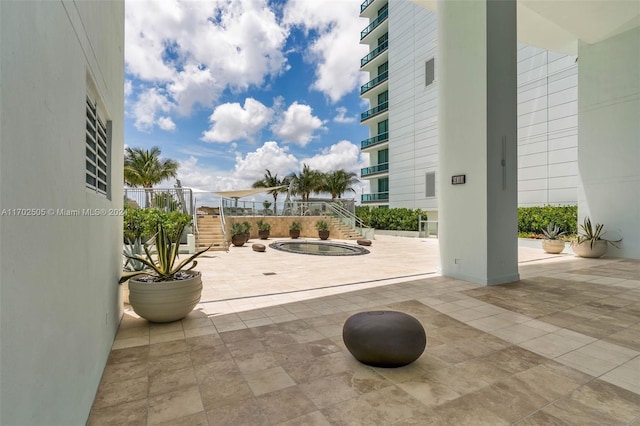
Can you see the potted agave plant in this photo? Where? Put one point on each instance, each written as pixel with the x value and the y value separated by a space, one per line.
pixel 591 241
pixel 263 229
pixel 323 229
pixel 238 235
pixel 165 290
pixel 552 242
pixel 294 230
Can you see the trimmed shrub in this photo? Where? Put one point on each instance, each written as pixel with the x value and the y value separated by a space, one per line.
pixel 534 219
pixel 396 219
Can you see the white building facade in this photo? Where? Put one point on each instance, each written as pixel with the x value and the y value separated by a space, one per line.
pixel 61 156
pixel 403 143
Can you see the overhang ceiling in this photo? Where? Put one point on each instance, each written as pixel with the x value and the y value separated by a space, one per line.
pixel 557 25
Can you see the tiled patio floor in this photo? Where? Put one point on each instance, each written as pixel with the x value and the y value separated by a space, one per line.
pixel 562 346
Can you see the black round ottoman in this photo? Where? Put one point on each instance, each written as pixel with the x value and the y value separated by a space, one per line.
pixel 363 242
pixel 384 338
pixel 258 247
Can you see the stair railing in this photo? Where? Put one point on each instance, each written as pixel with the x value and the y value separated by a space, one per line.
pixel 349 219
pixel 194 215
pixel 223 223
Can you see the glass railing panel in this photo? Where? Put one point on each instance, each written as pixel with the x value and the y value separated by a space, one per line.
pixel 364 5
pixel 374 53
pixel 373 25
pixel 373 83
pixel 374 169
pixel 379 196
pixel 374 111
pixel 382 137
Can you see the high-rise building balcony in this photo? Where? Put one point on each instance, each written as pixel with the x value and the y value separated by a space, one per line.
pixel 382 17
pixel 374 53
pixel 374 111
pixel 373 83
pixel 372 170
pixel 367 143
pixel 377 197
pixel 365 4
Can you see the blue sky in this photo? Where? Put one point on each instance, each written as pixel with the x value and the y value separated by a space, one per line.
pixel 229 88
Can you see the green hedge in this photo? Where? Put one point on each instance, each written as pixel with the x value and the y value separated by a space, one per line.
pixel 397 219
pixel 142 223
pixel 534 219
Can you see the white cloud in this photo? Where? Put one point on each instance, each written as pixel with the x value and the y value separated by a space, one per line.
pixel 148 105
pixel 195 49
pixel 342 155
pixel 269 156
pixel 166 123
pixel 297 124
pixel 337 46
pixel 341 117
pixel 231 121
pixel 128 88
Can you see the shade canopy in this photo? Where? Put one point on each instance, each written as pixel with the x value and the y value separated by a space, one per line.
pixel 240 193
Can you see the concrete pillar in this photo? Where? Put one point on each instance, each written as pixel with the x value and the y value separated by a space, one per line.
pixel 478 139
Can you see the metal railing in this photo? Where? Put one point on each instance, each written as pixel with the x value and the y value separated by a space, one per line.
pixel 382 137
pixel 364 5
pixel 167 199
pixel 378 196
pixel 382 16
pixel 374 111
pixel 350 219
pixel 195 217
pixel 379 168
pixel 374 53
pixel 373 83
pixel 223 221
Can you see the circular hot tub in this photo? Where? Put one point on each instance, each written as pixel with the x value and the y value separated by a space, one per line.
pixel 319 248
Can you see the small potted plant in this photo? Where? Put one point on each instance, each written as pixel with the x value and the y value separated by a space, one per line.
pixel 166 290
pixel 247 230
pixel 323 229
pixel 552 242
pixel 238 237
pixel 294 230
pixel 267 207
pixel 263 229
pixel 591 241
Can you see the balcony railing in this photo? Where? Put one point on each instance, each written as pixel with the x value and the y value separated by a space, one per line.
pixel 373 83
pixel 373 25
pixel 374 53
pixel 379 196
pixel 374 111
pixel 364 5
pixel 383 167
pixel 382 137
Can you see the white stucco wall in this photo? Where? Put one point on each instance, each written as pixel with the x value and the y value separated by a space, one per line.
pixel 609 132
pixel 547 116
pixel 59 296
pixel 413 106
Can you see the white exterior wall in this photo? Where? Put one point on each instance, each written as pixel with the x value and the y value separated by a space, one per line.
pixel 547 127
pixel 609 127
pixel 60 303
pixel 413 107
pixel 547 116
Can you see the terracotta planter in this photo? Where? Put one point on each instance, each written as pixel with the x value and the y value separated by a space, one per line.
pixel 264 235
pixel 584 249
pixel 165 301
pixel 323 235
pixel 553 246
pixel 294 233
pixel 238 240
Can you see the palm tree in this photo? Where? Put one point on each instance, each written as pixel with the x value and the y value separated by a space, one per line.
pixel 145 168
pixel 306 182
pixel 338 182
pixel 272 181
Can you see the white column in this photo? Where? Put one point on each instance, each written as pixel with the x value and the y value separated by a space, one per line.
pixel 478 139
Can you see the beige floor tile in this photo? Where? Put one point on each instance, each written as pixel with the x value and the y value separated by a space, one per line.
pixel 490 323
pixel 200 331
pixel 174 405
pixel 329 390
pixel 551 345
pixel 609 352
pixel 165 382
pixel 166 337
pixel 518 333
pixel 130 342
pixel 586 363
pixel 269 380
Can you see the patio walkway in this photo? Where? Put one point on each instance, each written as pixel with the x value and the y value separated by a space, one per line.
pixel 562 346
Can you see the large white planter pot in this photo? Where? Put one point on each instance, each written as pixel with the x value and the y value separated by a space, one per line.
pixel 584 249
pixel 165 301
pixel 553 246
